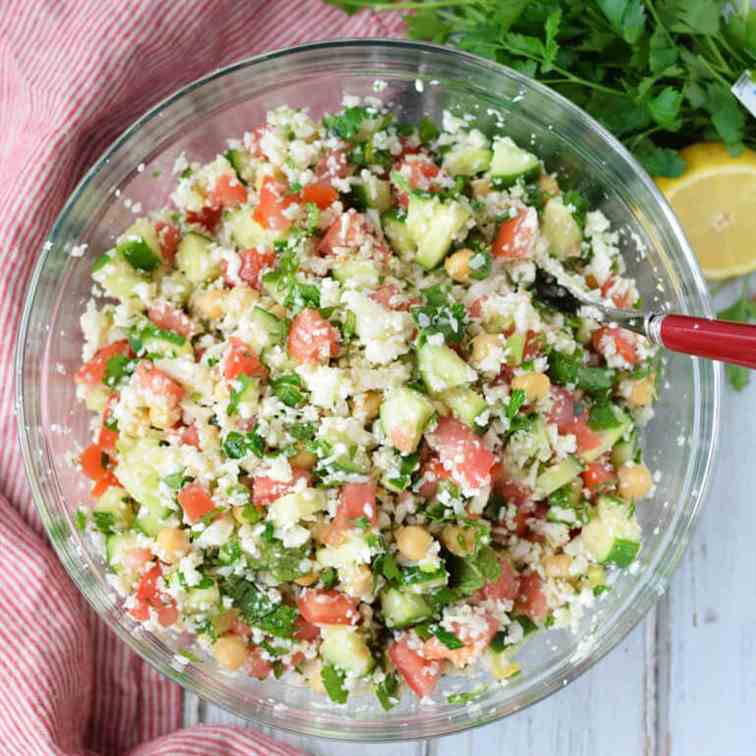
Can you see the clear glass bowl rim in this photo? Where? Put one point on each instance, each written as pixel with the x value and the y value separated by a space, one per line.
pixel 642 602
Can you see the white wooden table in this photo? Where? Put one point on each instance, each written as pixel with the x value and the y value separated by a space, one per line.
pixel 682 684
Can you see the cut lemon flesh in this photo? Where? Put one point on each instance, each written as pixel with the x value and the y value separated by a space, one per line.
pixel 715 201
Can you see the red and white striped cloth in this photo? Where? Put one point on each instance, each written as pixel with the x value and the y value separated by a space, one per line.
pixel 73 75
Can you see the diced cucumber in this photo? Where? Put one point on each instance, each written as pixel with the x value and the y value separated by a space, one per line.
pixel 353 459
pixel 405 413
pixel 625 451
pixel 266 330
pixel 557 476
pixel 402 609
pixel 116 547
pixel 165 348
pixel 194 258
pixel 561 230
pixel 247 233
pixel 96 398
pixel 466 405
pixel 515 349
pixel 115 501
pixel 288 510
pixel 418 580
pixel 510 163
pixel 465 160
pixel 357 273
pixel 142 463
pixel 433 226
pixel 241 163
pixel 345 647
pixel 202 599
pixel 613 535
pixel 608 437
pixel 372 192
pixel 140 247
pixel 118 278
pixel 442 368
pixel 398 234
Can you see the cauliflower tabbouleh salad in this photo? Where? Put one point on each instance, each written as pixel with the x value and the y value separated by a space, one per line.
pixel 340 436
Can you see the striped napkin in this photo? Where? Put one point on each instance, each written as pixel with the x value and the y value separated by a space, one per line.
pixel 73 75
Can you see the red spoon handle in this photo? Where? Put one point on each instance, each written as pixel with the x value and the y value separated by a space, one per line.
pixel 715 339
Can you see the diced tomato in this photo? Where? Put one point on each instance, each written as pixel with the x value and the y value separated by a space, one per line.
pixel 586 439
pixel 525 514
pixel 534 345
pixel 513 492
pixel 624 342
pixel 475 310
pixel 463 453
pixel 195 501
pixel 167 615
pixel 357 500
pixel 266 490
pixel 421 173
pixel 408 148
pixel 92 373
pixel 348 230
pixel 320 607
pixel 140 612
pixel 208 217
pixel 505 587
pixel 228 191
pixel 242 629
pixel 475 639
pixel 531 600
pixel 256 666
pixel 253 263
pixel 562 411
pixel 334 164
pixel 621 299
pixel 107 438
pixel 305 631
pixel 169 237
pixel 391 298
pixel 93 461
pixel 516 237
pixel 241 359
pixel 254 143
pixel 420 674
pixel 170 318
pixel 147 590
pixel 295 660
pixel 271 206
pixel 104 483
pixel 432 471
pixel 158 383
pixel 598 475
pixel 189 436
pixel 135 559
pixel 312 338
pixel 321 193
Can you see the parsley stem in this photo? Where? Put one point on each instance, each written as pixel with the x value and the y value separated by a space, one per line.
pixel 713 71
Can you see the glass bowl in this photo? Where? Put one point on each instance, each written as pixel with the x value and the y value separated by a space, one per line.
pixel 417 80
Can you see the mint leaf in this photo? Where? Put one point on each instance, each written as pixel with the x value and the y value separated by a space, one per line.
pixel 333 681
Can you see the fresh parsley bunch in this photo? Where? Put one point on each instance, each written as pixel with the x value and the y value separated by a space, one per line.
pixel 657 73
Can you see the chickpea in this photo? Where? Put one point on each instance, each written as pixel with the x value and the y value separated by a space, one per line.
pixel 230 651
pixel 634 481
pixel 481 187
pixel 360 583
pixel 484 345
pixel 303 459
pixel 240 299
pixel 535 385
pixel 221 391
pixel 413 542
pixel 367 405
pixel 224 621
pixel 208 304
pixel 164 417
pixel 173 543
pixel 642 392
pixel 311 671
pixel 307 580
pixel 460 541
pixel 458 265
pixel 548 184
pixel 557 565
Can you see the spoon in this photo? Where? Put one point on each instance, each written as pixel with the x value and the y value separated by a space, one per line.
pixel 700 337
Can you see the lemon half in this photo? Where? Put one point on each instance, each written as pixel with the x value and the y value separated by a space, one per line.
pixel 715 201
